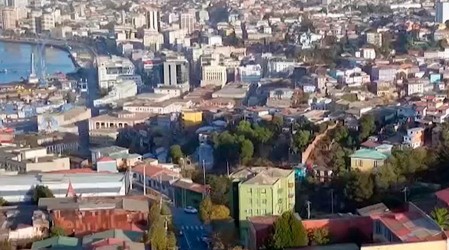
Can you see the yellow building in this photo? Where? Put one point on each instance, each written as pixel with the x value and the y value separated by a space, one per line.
pixel 367 159
pixel 192 118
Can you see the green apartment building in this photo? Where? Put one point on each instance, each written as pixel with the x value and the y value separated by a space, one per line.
pixel 261 191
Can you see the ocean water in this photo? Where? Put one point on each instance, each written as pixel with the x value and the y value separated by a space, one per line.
pixel 16 59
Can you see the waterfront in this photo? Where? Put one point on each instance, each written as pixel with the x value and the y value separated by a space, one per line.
pixel 15 58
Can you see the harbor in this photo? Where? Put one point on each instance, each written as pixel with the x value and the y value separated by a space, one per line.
pixel 50 57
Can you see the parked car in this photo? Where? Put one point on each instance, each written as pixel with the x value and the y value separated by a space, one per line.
pixel 190 210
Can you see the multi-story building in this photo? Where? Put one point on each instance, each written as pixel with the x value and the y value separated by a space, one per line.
pixel 153 40
pixel 55 142
pixel 63 120
pixel 120 90
pixel 374 38
pixel 414 137
pixel 16 159
pixel 9 18
pixel 153 20
pixel 215 75
pixel 47 21
pixel 150 68
pixel 111 67
pixel 261 191
pixel 176 73
pixel 250 73
pixel 441 11
pixel 103 129
pixel 187 22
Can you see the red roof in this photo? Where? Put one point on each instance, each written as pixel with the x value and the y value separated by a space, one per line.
pixel 105 159
pixel 340 228
pixel 153 171
pixel 443 195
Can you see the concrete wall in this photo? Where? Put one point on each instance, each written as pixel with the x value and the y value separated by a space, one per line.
pixel 427 245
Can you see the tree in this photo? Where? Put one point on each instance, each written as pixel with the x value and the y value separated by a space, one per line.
pixel 226 147
pixel 301 139
pixel 154 213
pixel 289 232
pixel 246 151
pixel 205 210
pixel 359 187
pixel 3 202
pixel 319 236
pixel 176 153
pixel 41 192
pixel 171 241
pixel 219 186
pixel 367 126
pixel 441 217
pixel 158 235
pixel 219 212
pixel 57 231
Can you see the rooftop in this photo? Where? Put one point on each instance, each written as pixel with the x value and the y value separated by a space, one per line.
pixel 412 225
pixel 369 154
pixel 261 175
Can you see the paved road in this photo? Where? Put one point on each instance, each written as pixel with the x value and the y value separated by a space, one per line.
pixel 192 230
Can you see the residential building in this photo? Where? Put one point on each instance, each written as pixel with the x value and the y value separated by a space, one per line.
pixel 176 73
pixel 23 160
pixel 374 38
pixel 233 91
pixel 153 40
pixel 367 159
pixel 16 188
pixel 385 73
pixel 416 86
pixel 261 191
pixel 441 12
pixel 414 137
pixel 280 97
pixel 47 21
pixel 9 18
pixel 111 67
pixel 187 22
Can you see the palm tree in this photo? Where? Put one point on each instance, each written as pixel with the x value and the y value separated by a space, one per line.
pixel 441 217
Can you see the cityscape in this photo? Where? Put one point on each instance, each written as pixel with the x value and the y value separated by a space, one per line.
pixel 224 125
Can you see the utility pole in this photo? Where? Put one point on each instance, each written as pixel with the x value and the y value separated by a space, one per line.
pixel 144 180
pixel 204 174
pixel 332 201
pixel 227 167
pixel 308 209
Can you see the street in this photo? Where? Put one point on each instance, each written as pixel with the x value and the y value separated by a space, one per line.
pixel 192 230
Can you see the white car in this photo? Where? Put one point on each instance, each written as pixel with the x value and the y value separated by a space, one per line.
pixel 190 210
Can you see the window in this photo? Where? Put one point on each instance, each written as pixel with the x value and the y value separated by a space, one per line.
pixel 249 190
pixel 264 201
pixel 263 191
pixel 377 228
